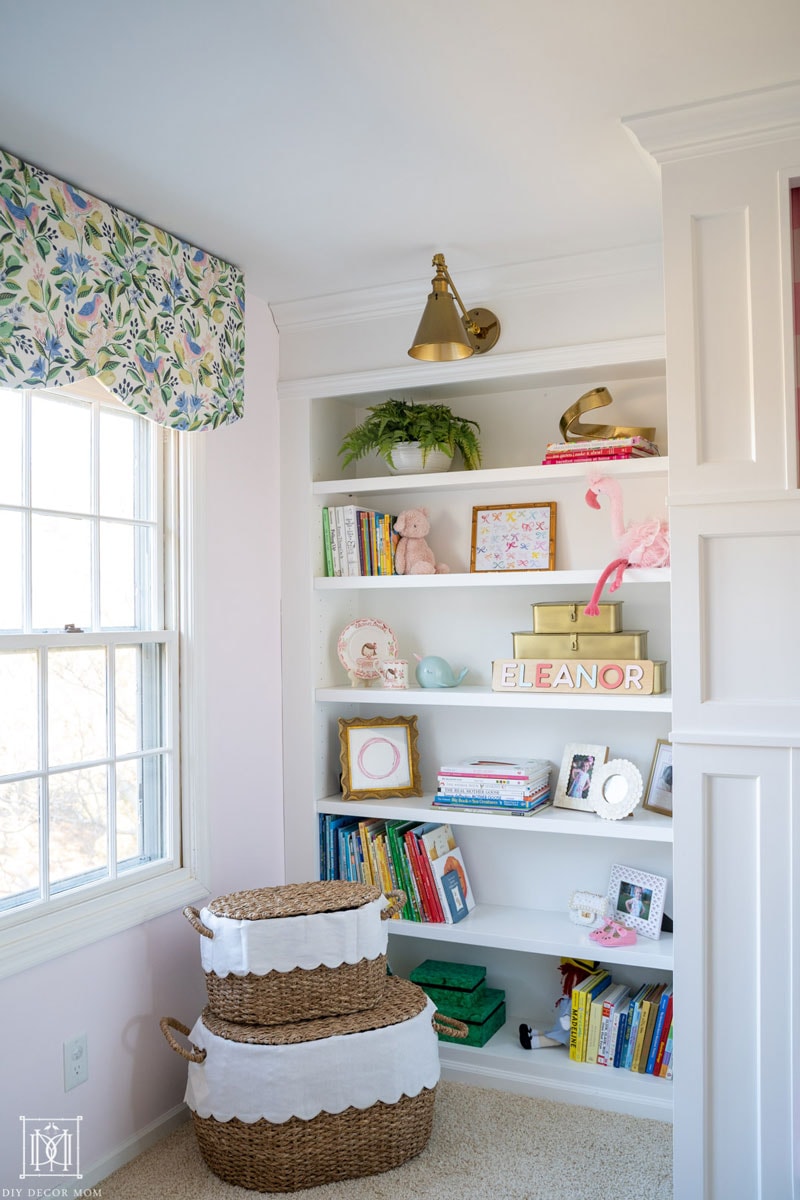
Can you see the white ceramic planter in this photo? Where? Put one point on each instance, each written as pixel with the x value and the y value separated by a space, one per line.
pixel 407 458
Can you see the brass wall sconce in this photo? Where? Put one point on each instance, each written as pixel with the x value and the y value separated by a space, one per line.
pixel 443 335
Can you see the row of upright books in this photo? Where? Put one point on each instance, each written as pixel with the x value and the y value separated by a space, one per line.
pixel 599 449
pixel 613 1026
pixel 516 787
pixel 358 541
pixel 420 858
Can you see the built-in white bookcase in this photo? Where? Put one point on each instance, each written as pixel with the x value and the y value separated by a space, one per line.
pixel 523 871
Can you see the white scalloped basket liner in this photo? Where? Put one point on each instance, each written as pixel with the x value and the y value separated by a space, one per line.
pixel 284 943
pixel 275 1083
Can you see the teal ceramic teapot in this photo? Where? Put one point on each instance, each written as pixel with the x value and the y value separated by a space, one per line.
pixel 435 672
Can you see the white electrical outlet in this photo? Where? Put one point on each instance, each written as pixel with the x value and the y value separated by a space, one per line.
pixel 76 1061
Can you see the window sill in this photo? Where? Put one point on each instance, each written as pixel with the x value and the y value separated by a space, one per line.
pixel 38 939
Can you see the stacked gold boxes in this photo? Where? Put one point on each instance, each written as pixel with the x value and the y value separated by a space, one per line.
pixel 562 630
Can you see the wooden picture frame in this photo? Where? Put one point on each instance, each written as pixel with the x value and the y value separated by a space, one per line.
pixel 379 757
pixel 514 537
pixel 637 899
pixel 575 776
pixel 658 793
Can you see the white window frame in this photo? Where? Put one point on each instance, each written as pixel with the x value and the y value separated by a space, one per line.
pixel 73 920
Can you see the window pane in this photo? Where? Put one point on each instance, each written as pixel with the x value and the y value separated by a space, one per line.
pixel 78 824
pixel 117 432
pixel 11 559
pixel 10 446
pixel 139 712
pixel 76 684
pixel 19 840
pixel 117 587
pixel 19 723
pixel 62 572
pixel 129 824
pixel 61 435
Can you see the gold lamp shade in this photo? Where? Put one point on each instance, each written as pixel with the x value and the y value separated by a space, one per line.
pixel 443 335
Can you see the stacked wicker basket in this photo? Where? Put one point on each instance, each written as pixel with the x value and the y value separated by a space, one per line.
pixel 310 1063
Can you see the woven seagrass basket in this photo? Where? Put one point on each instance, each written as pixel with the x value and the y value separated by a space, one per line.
pixel 296 993
pixel 295 1153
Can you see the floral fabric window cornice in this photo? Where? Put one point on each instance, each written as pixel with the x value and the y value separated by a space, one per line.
pixel 87 289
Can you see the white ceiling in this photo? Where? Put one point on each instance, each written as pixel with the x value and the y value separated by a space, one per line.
pixel 330 145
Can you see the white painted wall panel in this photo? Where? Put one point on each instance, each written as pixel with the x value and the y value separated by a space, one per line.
pixel 730 403
pixel 725 432
pixel 734 1076
pixel 735 645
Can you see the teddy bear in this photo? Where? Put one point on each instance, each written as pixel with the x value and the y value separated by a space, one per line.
pixel 413 555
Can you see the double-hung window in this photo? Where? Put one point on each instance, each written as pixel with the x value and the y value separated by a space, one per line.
pixel 90 798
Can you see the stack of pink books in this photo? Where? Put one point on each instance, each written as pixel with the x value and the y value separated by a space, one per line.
pixel 599 449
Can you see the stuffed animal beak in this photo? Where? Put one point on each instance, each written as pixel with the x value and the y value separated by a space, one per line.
pixel 591 499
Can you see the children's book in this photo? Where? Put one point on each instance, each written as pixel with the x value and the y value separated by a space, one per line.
pixel 618 1031
pixel 439 844
pixel 595 1021
pixel 612 1000
pixel 582 996
pixel 662 1040
pixel 666 1063
pixel 422 867
pixel 632 1029
pixel 646 1026
pixel 658 1029
pixel 454 894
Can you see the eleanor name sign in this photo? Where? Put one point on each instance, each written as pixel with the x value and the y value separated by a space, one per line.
pixel 630 677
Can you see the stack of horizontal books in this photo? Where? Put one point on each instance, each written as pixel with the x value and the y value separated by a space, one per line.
pixel 517 787
pixel 599 449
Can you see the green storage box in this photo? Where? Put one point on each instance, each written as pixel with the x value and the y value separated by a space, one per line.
pixel 487 1016
pixel 455 988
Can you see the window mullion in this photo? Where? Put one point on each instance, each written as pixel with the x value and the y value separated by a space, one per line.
pixel 95 505
pixel 44 783
pixel 111 724
pixel 27 524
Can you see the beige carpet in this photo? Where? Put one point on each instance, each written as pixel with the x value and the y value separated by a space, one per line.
pixel 486 1145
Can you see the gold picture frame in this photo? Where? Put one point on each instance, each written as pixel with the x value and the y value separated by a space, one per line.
pixel 379 757
pixel 658 793
pixel 514 537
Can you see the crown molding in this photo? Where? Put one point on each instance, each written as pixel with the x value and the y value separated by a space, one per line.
pixel 484 287
pixel 733 122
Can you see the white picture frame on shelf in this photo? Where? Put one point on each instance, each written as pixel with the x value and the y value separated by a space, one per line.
pixel 575 775
pixel 637 899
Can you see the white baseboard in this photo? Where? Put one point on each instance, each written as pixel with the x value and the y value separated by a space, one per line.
pixel 135 1145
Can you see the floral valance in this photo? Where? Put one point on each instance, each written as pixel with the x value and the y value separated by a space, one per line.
pixel 87 289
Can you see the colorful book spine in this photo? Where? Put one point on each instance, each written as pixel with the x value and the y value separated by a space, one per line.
pixel 658 1029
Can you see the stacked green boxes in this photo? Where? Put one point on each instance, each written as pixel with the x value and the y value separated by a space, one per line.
pixel 459 990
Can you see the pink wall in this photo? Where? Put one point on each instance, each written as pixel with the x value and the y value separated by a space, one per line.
pixel 117 989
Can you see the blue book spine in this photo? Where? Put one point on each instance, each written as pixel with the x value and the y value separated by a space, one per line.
pixel 658 1030
pixel 620 1043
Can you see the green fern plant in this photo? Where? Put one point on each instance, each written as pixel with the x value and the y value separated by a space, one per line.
pixel 434 426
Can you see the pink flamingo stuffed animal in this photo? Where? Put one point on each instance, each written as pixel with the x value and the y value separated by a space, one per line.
pixel 640 544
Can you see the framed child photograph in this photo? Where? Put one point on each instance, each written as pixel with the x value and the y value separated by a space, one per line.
pixel 514 537
pixel 658 793
pixel 379 757
pixel 637 899
pixel 575 775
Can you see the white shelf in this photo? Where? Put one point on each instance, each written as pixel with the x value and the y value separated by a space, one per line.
pixel 552 1074
pixel 488 478
pixel 492 579
pixel 535 931
pixel 643 826
pixel 466 696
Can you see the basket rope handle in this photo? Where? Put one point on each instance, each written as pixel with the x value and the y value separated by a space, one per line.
pixel 193 917
pixel 397 902
pixel 450 1026
pixel 195 1055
